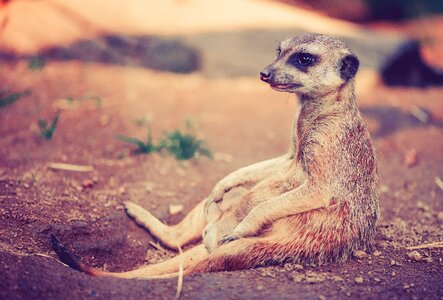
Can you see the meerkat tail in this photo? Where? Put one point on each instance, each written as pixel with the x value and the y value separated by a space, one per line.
pixel 70 259
pixel 163 270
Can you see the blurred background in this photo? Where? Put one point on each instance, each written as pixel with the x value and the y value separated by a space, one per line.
pixel 98 87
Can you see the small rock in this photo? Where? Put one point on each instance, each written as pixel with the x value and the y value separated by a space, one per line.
pixel 337 278
pixel 377 279
pixel 88 183
pixel 410 159
pixel 223 157
pixel 408 286
pixel 439 183
pixel 415 255
pixel 297 267
pixel 260 287
pixel 121 190
pixel 393 274
pixel 376 253
pixel 360 254
pixel 440 216
pixel 298 278
pixel 384 189
pixel 423 206
pixel 149 186
pixel 359 279
pixel 175 208
pixel 79 224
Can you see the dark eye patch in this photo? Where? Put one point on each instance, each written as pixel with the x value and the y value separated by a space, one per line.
pixel 302 60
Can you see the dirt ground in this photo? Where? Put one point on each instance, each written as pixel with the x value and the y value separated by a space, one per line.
pixel 243 121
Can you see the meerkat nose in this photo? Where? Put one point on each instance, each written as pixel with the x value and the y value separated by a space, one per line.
pixel 264 75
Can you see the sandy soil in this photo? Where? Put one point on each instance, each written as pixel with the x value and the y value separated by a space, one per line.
pixel 97 102
pixel 37 201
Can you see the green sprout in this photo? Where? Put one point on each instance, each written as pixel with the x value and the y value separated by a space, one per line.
pixel 183 145
pixel 143 147
pixel 47 130
pixel 7 98
pixel 36 63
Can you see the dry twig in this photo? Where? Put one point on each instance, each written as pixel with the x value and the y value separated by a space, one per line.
pixel 70 167
pixel 423 246
pixel 180 276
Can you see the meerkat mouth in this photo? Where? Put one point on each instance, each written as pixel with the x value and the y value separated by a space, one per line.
pixel 285 86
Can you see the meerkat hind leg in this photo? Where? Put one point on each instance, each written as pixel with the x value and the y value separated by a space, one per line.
pixel 195 260
pixel 175 236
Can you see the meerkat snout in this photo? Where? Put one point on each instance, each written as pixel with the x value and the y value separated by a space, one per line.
pixel 265 75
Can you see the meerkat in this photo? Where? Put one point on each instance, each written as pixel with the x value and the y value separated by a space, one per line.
pixel 318 203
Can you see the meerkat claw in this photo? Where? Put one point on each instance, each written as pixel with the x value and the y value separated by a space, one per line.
pixel 227 239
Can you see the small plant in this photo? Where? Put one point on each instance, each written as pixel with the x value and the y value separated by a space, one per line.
pixel 7 98
pixel 47 130
pixel 143 147
pixel 183 145
pixel 36 63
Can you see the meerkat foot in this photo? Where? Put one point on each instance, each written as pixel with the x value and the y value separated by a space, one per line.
pixel 140 215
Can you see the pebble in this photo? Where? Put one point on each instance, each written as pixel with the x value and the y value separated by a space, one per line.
pixel 410 158
pixel 415 256
pixel 297 267
pixel 423 206
pixel 408 286
pixel 223 157
pixel 376 253
pixel 360 254
pixel 149 186
pixel 337 278
pixel 395 263
pixel 359 279
pixel 175 208
pixel 88 183
pixel 440 216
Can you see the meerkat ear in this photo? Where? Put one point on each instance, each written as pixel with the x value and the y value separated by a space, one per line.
pixel 349 67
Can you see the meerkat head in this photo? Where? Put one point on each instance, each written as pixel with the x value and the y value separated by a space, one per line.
pixel 311 65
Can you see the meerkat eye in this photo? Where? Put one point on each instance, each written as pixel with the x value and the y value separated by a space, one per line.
pixel 302 60
pixel 278 50
pixel 305 59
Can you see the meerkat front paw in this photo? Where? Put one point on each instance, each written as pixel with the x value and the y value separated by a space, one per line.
pixel 216 196
pixel 244 229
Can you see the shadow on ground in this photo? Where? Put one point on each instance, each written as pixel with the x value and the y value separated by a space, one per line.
pixel 391 119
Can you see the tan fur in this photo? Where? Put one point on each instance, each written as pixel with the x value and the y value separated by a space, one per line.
pixel 316 204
